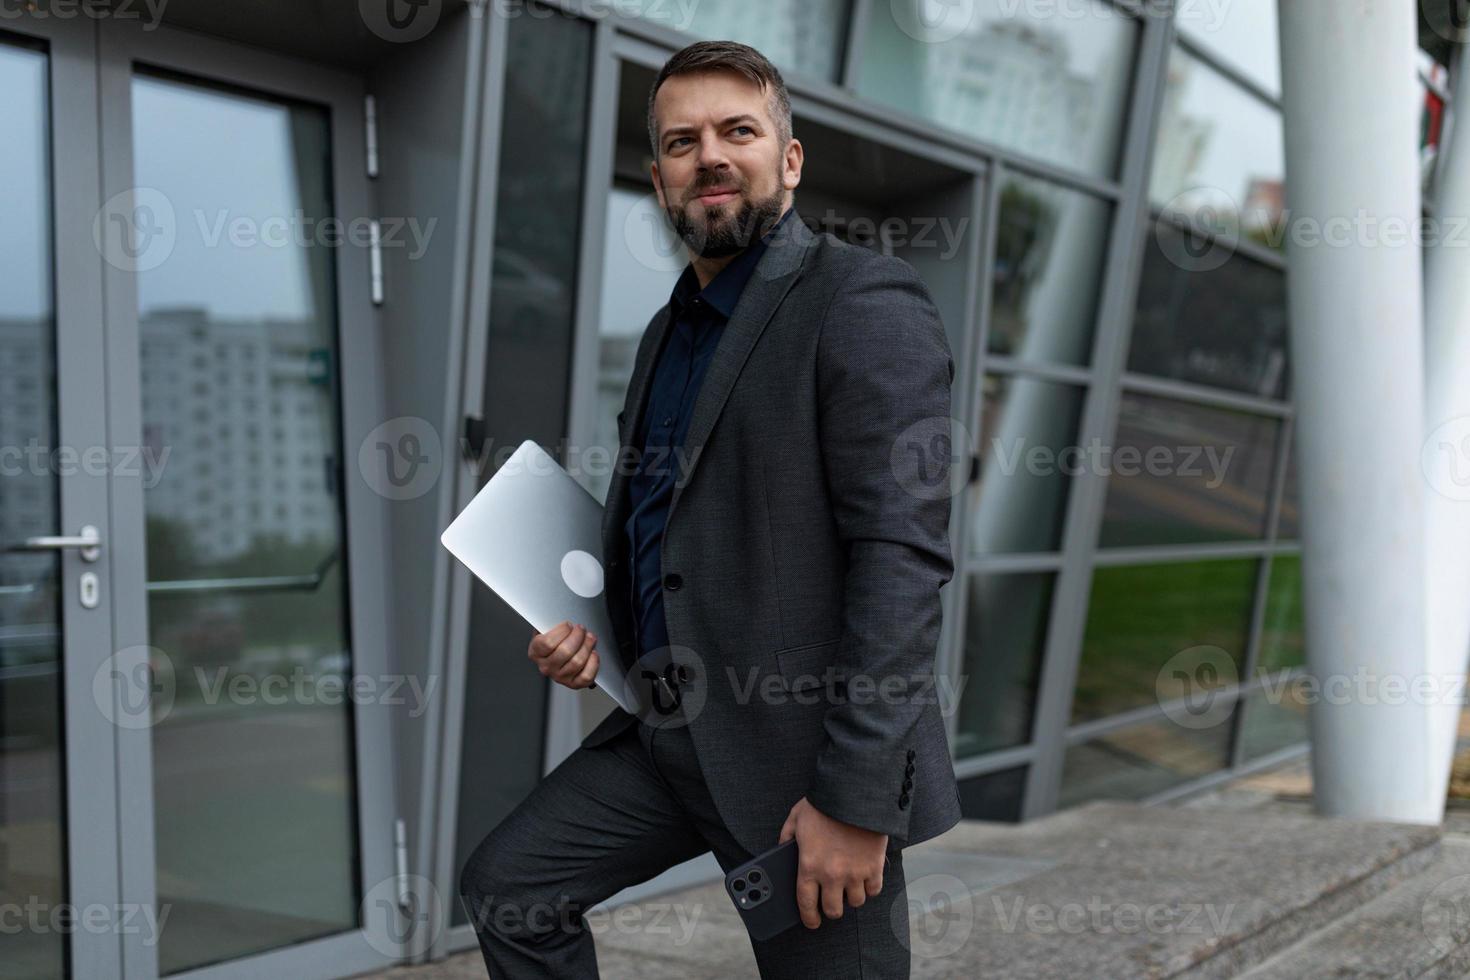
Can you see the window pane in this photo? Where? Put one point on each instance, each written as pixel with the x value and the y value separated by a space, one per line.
pixel 1241 33
pixel 32 777
pixel 1050 250
pixel 1283 643
pixel 1005 633
pixel 1274 718
pixel 1220 157
pixel 1183 473
pixel 254 795
pixel 1051 84
pixel 801 35
pixel 1141 760
pixel 1221 324
pixel 1288 527
pixel 1027 428
pixel 1141 618
pixel 995 795
pixel 642 259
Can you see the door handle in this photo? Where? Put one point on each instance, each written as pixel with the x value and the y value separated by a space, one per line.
pixel 88 543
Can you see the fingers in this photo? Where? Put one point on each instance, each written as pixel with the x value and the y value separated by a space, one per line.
pixel 566 653
pixel 874 884
pixel 806 901
pixel 856 893
pixel 566 666
pixel 543 643
pixel 588 674
pixel 832 893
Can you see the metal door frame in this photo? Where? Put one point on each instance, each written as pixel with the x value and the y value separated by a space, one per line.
pixel 91 846
pixel 121 45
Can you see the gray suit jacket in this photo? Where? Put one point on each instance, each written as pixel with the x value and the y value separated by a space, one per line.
pixel 806 545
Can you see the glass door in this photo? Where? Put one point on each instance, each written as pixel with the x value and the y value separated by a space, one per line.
pixel 58 847
pixel 235 239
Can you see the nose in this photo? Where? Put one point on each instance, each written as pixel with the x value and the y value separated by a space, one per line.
pixel 712 156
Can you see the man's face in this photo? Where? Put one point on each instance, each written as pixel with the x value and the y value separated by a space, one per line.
pixel 722 175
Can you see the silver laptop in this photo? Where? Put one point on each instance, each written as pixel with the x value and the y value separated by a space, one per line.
pixel 534 535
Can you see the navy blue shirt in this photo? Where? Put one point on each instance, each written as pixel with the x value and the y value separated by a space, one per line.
pixel 698 318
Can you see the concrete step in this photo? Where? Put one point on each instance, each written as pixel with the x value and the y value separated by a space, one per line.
pixel 1420 928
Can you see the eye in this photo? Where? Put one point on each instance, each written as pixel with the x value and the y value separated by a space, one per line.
pixel 746 129
pixel 677 140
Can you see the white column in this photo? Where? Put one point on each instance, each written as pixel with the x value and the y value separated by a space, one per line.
pixel 1447 423
pixel 1348 87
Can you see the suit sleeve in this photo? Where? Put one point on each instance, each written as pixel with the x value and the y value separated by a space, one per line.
pixel 884 370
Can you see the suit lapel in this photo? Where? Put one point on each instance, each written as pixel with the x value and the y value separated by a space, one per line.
pixel 774 275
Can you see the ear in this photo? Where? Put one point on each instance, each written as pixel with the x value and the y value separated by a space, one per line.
pixel 791 171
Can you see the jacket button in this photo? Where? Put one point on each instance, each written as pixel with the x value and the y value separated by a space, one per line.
pixel 672 581
pixel 903 802
pixel 908 784
pixel 908 770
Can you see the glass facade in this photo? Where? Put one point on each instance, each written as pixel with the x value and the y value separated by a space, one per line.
pixel 1045 86
pixel 1199 447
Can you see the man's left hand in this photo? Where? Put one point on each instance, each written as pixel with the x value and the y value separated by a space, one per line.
pixel 835 860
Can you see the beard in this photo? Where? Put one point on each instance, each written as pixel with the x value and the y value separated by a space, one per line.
pixel 726 229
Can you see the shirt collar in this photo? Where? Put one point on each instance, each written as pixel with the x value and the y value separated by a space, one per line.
pixel 725 288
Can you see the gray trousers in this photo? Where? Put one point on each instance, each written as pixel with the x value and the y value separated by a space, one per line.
pixel 619 814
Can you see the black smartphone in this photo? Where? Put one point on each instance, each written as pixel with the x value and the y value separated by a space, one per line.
pixel 764 891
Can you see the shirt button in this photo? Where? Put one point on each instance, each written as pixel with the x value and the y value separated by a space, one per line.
pixel 668 420
pixel 672 581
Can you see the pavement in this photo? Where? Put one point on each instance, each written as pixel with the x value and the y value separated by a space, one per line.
pixel 1240 881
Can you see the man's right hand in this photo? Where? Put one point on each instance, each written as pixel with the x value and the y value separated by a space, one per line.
pixel 566 653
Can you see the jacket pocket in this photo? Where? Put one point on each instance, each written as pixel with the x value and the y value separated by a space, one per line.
pixel 808 666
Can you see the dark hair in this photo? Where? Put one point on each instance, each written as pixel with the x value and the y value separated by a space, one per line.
pixel 728 56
